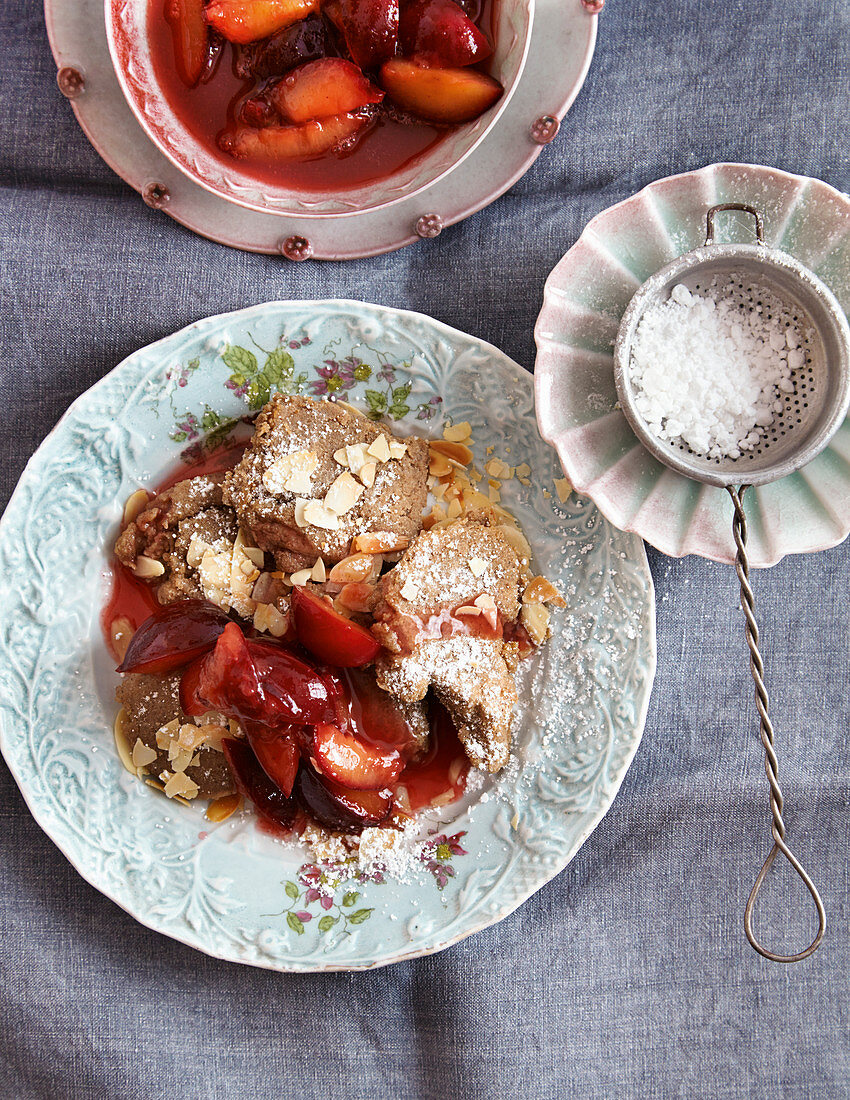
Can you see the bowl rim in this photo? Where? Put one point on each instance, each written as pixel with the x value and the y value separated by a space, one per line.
pixel 183 165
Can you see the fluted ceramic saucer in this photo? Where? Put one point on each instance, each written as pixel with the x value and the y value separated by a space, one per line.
pixel 585 298
pixel 229 889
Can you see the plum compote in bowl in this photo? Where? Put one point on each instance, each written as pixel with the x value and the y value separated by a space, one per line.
pixel 289 123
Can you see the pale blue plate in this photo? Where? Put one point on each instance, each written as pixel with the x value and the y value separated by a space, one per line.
pixel 229 890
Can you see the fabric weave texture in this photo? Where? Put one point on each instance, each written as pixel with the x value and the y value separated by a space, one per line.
pixel 629 974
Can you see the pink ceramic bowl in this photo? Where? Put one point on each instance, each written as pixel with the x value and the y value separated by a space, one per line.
pixel 129 47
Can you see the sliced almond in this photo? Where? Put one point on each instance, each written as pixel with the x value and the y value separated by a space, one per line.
pixel 318 515
pixel 181 784
pixel 468 609
pixel 379 542
pixel 135 505
pixel 268 620
pixel 475 475
pixel 357 456
pixel 300 508
pixel 122 742
pixel 459 452
pixel 457 433
pixel 299 579
pixel 220 809
pixel 196 550
pixel 148 568
pixel 516 539
pixel 438 465
pixel 165 734
pixel 476 500
pixel 356 567
pixel 291 473
pixel 341 456
pixel 454 509
pixel 485 601
pixel 343 494
pixel 143 754
pixel 478 566
pixel 539 590
pixel 535 619
pixel 409 590
pixel 397 449
pixel 379 449
pixel 256 555
pixel 359 597
pixel 318 572
pixel 523 470
pixel 562 488
pixel 368 472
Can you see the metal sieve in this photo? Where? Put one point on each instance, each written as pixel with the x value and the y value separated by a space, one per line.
pixel 756 278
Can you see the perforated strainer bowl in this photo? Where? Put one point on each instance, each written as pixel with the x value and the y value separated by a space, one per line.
pixel 754 276
pixel 757 279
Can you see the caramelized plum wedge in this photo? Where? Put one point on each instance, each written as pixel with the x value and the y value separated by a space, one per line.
pixel 339 807
pixel 245 21
pixel 319 89
pixel 257 682
pixel 345 759
pixel 253 784
pixel 306 40
pixel 306 139
pixel 328 635
pixel 191 38
pixel 174 636
pixel 439 33
pixel 277 751
pixel 369 27
pixel 439 95
pixel 376 717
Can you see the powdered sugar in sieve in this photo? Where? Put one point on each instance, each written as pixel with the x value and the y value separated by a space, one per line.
pixel 722 370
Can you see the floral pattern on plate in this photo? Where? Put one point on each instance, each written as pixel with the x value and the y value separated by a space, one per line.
pixel 219 887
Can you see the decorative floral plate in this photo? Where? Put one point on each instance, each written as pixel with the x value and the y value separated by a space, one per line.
pixel 563 37
pixel 586 296
pixel 228 889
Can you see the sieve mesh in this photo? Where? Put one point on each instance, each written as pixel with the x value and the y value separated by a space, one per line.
pixel 754 279
pixel 801 407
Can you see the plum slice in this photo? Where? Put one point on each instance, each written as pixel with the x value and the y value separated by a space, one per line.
pixel 253 784
pixel 328 635
pixel 277 751
pixel 306 40
pixel 245 21
pixel 331 86
pixel 439 95
pixel 173 636
pixel 190 33
pixel 257 682
pixel 339 807
pixel 347 760
pixel 369 27
pixel 306 139
pixel 439 33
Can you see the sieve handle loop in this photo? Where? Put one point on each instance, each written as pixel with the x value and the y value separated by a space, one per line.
pixel 771 765
pixel 709 219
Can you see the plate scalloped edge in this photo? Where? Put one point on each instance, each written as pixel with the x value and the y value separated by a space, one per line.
pixel 585 296
pixel 164 864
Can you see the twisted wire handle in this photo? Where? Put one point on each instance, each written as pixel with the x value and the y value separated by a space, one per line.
pixel 771 763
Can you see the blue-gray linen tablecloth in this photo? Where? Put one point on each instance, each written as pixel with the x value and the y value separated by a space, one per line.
pixel 628 975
